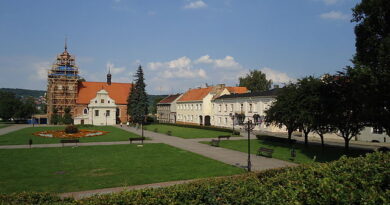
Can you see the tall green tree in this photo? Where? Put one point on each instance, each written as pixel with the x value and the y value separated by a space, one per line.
pixel 139 98
pixel 67 118
pixel 131 101
pixel 55 117
pixel 155 102
pixel 372 60
pixel 346 111
pixel 255 81
pixel 26 108
pixel 8 105
pixel 283 112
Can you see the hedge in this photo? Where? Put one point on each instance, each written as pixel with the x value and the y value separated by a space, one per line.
pixel 361 180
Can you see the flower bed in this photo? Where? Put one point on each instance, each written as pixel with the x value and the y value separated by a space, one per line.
pixel 62 134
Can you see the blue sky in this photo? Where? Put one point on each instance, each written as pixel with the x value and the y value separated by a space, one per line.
pixel 180 43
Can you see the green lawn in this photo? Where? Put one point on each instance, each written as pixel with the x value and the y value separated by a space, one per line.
pixel 22 136
pixel 283 151
pixel 3 125
pixel 185 132
pixel 84 168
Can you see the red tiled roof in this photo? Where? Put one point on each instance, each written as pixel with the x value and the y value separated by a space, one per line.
pixel 195 94
pixel 117 91
pixel 237 90
pixel 169 99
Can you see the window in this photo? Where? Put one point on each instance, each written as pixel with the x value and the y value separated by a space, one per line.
pixel 377 130
pixel 219 120
pixel 226 107
pixel 102 101
pixel 242 108
pixel 96 113
pixel 231 107
pixel 85 111
pixel 108 102
pixel 107 113
pixel 219 108
pixel 226 120
pixel 95 101
pixel 250 107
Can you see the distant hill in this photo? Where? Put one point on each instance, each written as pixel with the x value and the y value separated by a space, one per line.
pixel 24 92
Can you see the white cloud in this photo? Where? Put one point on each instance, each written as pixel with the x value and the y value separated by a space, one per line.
pixel 195 5
pixel 335 15
pixel 277 77
pixel 113 69
pixel 40 70
pixel 178 68
pixel 227 62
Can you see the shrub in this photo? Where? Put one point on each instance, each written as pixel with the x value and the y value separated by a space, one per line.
pixel 155 129
pixel 71 129
pixel 361 180
pixel 274 139
pixel 236 132
pixel 169 133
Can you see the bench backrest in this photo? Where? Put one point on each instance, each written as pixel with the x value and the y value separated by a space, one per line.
pixel 138 138
pixel 224 136
pixel 263 149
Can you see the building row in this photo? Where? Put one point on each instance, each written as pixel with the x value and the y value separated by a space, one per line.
pixel 219 106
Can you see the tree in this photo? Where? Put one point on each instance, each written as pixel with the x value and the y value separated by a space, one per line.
pixel 67 118
pixel 255 81
pixel 55 117
pixel 26 108
pixel 138 102
pixel 155 102
pixel 372 60
pixel 8 105
pixel 284 110
pixel 308 99
pixel 346 111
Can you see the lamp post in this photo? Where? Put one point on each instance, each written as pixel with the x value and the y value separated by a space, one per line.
pixel 249 126
pixel 232 117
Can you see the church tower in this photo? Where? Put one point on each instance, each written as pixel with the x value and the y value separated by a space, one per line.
pixel 62 85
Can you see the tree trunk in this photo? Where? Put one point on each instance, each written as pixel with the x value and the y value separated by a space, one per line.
pixel 306 136
pixel 346 139
pixel 322 141
pixel 289 135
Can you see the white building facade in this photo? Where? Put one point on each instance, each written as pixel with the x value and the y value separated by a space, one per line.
pixel 251 105
pixel 100 111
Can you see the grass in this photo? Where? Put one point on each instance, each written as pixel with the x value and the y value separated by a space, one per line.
pixel 71 169
pixel 22 136
pixel 185 132
pixel 282 151
pixel 4 125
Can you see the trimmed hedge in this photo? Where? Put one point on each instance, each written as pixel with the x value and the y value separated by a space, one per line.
pixel 361 180
pixel 202 127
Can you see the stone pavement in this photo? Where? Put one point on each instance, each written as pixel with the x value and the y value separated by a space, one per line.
pixel 13 128
pixel 227 156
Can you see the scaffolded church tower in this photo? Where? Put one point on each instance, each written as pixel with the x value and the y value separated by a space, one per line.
pixel 62 84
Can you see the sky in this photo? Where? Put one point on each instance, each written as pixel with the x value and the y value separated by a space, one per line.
pixel 180 44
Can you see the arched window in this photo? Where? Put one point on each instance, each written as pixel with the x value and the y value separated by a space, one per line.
pixel 85 111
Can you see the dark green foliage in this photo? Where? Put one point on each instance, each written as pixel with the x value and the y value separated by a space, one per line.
pixel 156 100
pixel 240 118
pixel 32 198
pixel 26 108
pixel 67 118
pixel 8 105
pixel 55 117
pixel 169 133
pixel 255 81
pixel 274 139
pixel 199 127
pixel 23 93
pixel 71 129
pixel 138 99
pixel 284 110
pixel 362 180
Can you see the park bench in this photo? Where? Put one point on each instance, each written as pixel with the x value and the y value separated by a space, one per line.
pixel 214 143
pixel 137 139
pixel 265 152
pixel 69 141
pixel 223 136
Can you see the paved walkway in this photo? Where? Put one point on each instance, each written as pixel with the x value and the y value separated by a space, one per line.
pixel 227 156
pixel 13 128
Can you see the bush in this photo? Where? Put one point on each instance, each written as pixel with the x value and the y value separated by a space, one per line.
pixel 236 132
pixel 169 133
pixel 71 129
pixel 362 180
pixel 155 129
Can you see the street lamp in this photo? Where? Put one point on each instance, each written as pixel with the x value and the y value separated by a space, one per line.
pixel 249 126
pixel 232 116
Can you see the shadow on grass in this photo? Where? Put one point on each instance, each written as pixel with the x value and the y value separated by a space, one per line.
pixel 313 151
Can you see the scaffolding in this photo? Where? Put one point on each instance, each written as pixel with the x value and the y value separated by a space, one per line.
pixel 62 85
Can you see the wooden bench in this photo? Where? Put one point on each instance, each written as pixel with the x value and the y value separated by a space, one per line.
pixel 265 152
pixel 137 139
pixel 223 136
pixel 69 141
pixel 214 143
